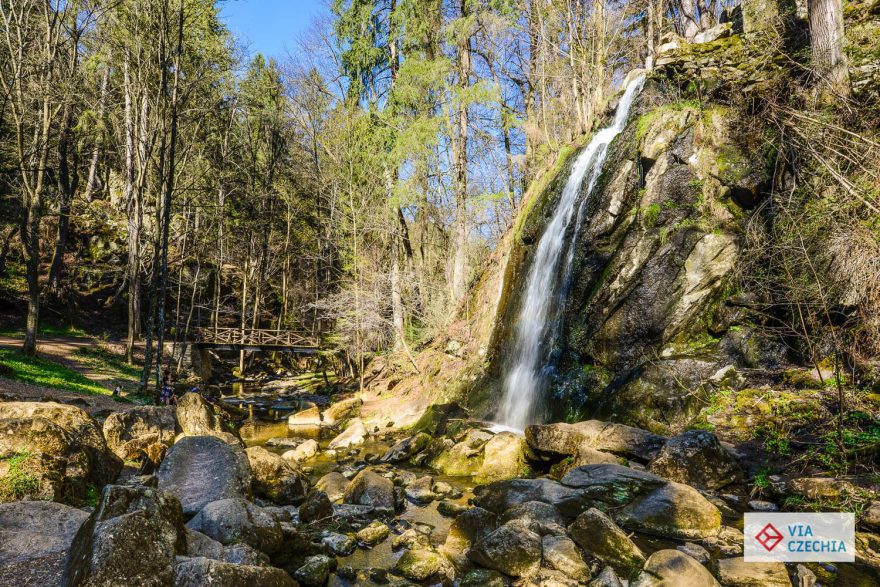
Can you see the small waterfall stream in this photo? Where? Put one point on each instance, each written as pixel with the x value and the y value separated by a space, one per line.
pixel 538 322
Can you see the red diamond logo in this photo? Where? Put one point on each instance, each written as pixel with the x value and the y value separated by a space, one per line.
pixel 769 537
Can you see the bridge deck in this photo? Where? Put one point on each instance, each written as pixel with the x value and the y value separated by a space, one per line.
pixel 256 340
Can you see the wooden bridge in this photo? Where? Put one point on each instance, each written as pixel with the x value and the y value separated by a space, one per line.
pixel 237 339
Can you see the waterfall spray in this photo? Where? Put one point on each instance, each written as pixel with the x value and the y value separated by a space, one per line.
pixel 538 323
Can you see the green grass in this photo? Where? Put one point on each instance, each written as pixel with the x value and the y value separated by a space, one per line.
pixel 47 330
pixel 47 373
pixel 100 360
pixel 18 482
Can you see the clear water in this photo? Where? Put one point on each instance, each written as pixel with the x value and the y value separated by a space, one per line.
pixel 538 323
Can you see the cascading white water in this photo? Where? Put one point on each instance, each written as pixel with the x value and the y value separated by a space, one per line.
pixel 537 324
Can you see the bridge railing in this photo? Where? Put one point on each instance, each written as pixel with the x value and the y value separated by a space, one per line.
pixel 256 337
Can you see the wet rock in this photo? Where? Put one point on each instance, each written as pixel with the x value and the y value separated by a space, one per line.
pixel 541 517
pixel 503 458
pixel 612 484
pixel 65 447
pixel 370 489
pixel 407 448
pixel 561 554
pixel 696 458
pixel 197 572
pixel 670 568
pixel 339 544
pixel 598 534
pixel 757 505
pixel 275 478
pixel 37 533
pixel 500 496
pixel 317 506
pixel 420 490
pixel 284 442
pixel 695 551
pixel 132 538
pixel 673 511
pixel 233 520
pixel 354 435
pixel 567 439
pixel 201 469
pixel 129 432
pixel 373 534
pixel 315 571
pixel 342 410
pixel 484 578
pixel 419 564
pixel 334 485
pixel 436 419
pixel 607 578
pixel 465 457
pixel 303 452
pixel 307 417
pixel 196 417
pixel 512 549
pixel 735 572
pixel 469 527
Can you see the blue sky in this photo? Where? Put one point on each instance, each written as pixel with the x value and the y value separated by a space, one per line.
pixel 270 27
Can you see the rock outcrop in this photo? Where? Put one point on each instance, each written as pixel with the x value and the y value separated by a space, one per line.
pixel 130 432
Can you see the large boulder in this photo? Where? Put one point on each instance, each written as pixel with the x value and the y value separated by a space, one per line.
pixel 275 478
pixel 673 511
pixel 407 448
pixel 197 572
pixel 317 506
pixel 500 496
pixel 503 458
pixel 354 435
pixel 302 452
pixel 569 439
pixel 233 520
pixel 132 431
pixel 512 549
pixel 65 446
pixel 132 538
pixel 342 410
pixel 201 469
pixel 736 572
pixel 611 484
pixel 196 417
pixel 561 553
pixel 310 417
pixel 596 533
pixel 541 517
pixel 696 458
pixel 465 457
pixel 467 528
pixel 670 568
pixel 334 484
pixel 200 545
pixel 35 536
pixel 371 489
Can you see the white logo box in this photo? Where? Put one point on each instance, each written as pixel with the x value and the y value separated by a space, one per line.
pixel 799 537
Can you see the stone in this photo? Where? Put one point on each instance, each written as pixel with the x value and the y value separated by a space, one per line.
pixel 870 516
pixel 197 572
pixel 373 534
pixel 66 447
pixel 735 572
pixel 339 544
pixel 596 533
pixel 370 489
pixel 670 568
pixel 757 505
pixel 420 491
pixel 672 511
pixel 316 507
pixel 36 533
pixel 469 527
pixel 407 448
pixel 342 410
pixel 503 458
pixel 512 549
pixel 561 554
pixel 201 469
pixel 804 577
pixel 821 488
pixel 611 483
pixel 307 417
pixel 465 457
pixel 500 496
pixel 196 417
pixel 334 485
pixel 567 439
pixel 695 551
pixel 275 478
pixel 200 545
pixel 719 31
pixel 450 509
pixel 541 517
pixel 696 458
pixel 354 435
pixel 419 564
pixel 129 432
pixel 302 452
pixel 483 578
pixel 234 520
pixel 606 578
pixel 315 571
pixel 132 538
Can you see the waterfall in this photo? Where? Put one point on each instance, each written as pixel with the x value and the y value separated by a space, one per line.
pixel 538 323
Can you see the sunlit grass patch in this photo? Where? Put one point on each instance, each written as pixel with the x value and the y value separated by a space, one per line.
pixel 46 373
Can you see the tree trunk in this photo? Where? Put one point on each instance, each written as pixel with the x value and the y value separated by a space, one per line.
pixel 827 41
pixel 68 180
pixel 460 267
